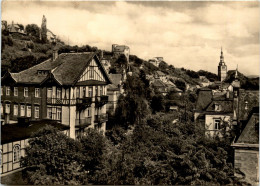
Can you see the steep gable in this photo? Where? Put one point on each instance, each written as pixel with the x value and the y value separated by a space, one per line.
pixel 250 133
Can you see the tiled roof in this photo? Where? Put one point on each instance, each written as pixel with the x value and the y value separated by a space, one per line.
pixel 250 132
pixel 15 132
pixel 159 73
pixel 158 83
pixel 204 99
pixel 226 106
pixel 65 69
pixel 115 78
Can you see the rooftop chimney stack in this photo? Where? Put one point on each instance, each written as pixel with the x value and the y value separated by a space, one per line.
pixel 54 55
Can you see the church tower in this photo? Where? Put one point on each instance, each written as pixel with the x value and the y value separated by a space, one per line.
pixel 222 68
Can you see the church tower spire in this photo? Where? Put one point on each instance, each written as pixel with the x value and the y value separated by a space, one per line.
pixel 222 68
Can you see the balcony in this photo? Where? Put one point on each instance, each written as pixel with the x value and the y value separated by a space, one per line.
pixel 101 100
pixel 82 123
pixel 101 118
pixel 58 101
pixel 83 103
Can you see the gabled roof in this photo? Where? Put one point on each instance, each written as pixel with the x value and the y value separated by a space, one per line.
pixel 66 69
pixel 158 83
pixel 159 73
pixel 250 132
pixel 204 99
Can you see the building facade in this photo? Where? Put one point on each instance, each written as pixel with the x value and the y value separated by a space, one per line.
pixel 70 88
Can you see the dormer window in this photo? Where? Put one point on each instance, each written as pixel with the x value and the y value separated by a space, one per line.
pixel 43 72
pixel 217 107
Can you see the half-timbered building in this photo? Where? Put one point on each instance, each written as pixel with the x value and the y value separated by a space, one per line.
pixel 70 88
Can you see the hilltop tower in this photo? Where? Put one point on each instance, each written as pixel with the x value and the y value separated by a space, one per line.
pixel 222 68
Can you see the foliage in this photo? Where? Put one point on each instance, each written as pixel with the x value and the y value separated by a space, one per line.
pixel 136 60
pixel 33 30
pixel 159 152
pixel 210 76
pixel 53 158
pixel 93 145
pixel 180 84
pixel 157 103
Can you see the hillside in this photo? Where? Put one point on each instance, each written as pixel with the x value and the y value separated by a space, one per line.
pixel 246 83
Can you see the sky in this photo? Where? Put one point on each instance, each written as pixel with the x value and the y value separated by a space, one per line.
pixel 186 34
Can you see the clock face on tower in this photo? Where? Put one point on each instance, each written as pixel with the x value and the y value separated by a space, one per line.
pixel 223 68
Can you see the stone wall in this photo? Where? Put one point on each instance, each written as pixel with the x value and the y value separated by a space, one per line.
pixel 247 161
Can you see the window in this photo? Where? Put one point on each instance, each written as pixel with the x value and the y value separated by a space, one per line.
pixel 58 93
pixel 25 91
pixel 22 110
pixel 101 91
pixel 7 108
pixel 217 107
pixel 84 91
pixel 37 92
pixel 0 157
pixel 16 153
pixel 49 112
pixel 77 92
pixel 15 91
pixel 96 91
pixel 29 111
pixel 2 108
pixel 216 124
pixel 36 111
pixel 90 91
pixel 15 110
pixel 91 76
pixel 58 113
pixel 49 92
pixel 7 91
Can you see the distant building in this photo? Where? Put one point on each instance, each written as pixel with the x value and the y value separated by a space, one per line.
pixel 222 68
pixel 159 87
pixel 51 36
pixel 156 61
pixel 113 91
pixel 15 29
pixel 117 50
pixel 204 81
pixel 246 148
pixel 160 75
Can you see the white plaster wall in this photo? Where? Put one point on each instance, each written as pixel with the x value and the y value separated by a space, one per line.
pixel 65 115
pixel 72 115
pixel 209 122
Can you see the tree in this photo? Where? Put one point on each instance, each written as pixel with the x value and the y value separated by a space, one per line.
pixel 53 158
pixel 180 84
pixel 33 30
pixel 93 146
pixel 121 62
pixel 157 103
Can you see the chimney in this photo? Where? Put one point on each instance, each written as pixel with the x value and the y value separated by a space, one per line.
pixel 54 55
pixel 101 54
pixel 227 94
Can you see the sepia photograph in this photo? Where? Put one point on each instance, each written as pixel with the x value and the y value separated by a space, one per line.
pixel 130 92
